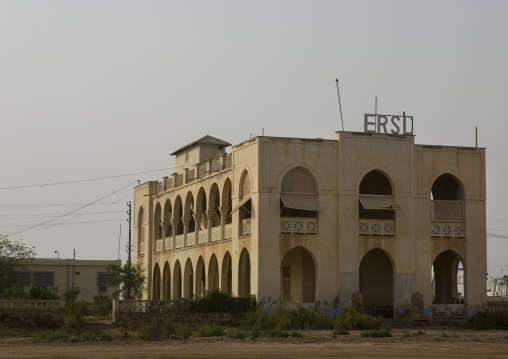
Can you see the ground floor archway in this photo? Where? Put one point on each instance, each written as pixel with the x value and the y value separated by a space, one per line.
pixel 188 280
pixel 166 282
pixel 449 279
pixel 244 274
pixel 227 275
pixel 156 283
pixel 177 281
pixel 298 277
pixel 376 283
pixel 213 273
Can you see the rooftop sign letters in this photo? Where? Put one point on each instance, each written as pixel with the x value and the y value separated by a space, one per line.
pixel 396 124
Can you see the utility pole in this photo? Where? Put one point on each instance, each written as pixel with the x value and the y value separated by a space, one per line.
pixel 129 221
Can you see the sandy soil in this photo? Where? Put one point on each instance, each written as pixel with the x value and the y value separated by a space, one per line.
pixel 462 344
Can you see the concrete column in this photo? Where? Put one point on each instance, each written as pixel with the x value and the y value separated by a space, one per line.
pixel 209 217
pixel 223 219
pixel 164 182
pixel 186 221
pixel 174 175
pixel 197 221
pixel 174 223
pixel 185 175
pixel 222 159
pixel 164 235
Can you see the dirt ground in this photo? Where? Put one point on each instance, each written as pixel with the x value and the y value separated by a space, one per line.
pixel 457 343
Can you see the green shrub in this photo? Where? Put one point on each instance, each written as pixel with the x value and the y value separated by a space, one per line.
pixel 375 333
pixel 351 320
pixel 6 332
pixel 78 309
pixel 220 302
pixel 211 330
pixel 488 320
pixel 418 333
pixel 64 336
pixel 103 305
pixel 284 318
pixel 236 334
pixel 338 330
pixel 406 334
pixel 95 335
pixel 162 329
pixel 296 335
pixel 71 295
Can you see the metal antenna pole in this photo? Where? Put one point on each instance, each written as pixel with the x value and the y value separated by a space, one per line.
pixel 129 221
pixel 340 107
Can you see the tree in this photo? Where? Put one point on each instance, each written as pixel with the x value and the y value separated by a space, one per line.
pixel 131 279
pixel 14 257
pixel 71 295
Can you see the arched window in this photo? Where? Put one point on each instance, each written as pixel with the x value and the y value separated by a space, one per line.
pixel 157 222
pixel 244 205
pixel 377 205
pixel 447 207
pixel 299 203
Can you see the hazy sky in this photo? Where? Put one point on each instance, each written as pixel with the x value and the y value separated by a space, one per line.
pixel 94 89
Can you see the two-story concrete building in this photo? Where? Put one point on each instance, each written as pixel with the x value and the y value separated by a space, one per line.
pixel 297 220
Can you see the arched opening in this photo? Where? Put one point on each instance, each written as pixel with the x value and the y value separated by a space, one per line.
pixel 157 222
pixel 376 283
pixel 201 217
pixel 167 218
pixel 156 283
pixel 214 212
pixel 447 207
pixel 141 232
pixel 226 200
pixel 298 277
pixel 244 206
pixel 449 278
pixel 188 280
pixel 299 203
pixel 213 273
pixel 227 275
pixel 189 213
pixel 200 288
pixel 166 282
pixel 377 205
pixel 177 281
pixel 178 215
pixel 244 274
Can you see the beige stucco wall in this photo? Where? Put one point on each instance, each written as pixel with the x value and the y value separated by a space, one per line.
pixel 338 167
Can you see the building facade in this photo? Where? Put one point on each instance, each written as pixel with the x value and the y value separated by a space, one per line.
pixel 295 220
pixel 63 274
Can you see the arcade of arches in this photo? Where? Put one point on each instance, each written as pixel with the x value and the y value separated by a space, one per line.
pixel 189 282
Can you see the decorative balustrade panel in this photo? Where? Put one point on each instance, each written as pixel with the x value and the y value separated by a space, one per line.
pixel 298 225
pixel 159 187
pixel 448 311
pixel 497 306
pixel 158 245
pixel 216 234
pixel 228 161
pixel 31 306
pixel 246 227
pixel 203 236
pixel 168 243
pixel 191 239
pixel 447 230
pixel 179 241
pixel 179 180
pixel 377 227
pixel 169 183
pixel 450 211
pixel 228 231
pixel 191 176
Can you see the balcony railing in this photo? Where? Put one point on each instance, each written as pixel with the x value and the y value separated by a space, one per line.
pixel 216 234
pixel 377 227
pixel 202 169
pixel 191 239
pixel 447 211
pixel 298 225
pixel 179 241
pixel 159 187
pixel 203 237
pixel 179 180
pixel 246 227
pixel 228 231
pixel 158 245
pixel 228 160
pixel 215 165
pixel 168 243
pixel 447 230
pixel 448 311
pixel 191 176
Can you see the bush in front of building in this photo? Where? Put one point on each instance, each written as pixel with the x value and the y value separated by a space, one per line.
pixel 103 305
pixel 217 301
pixel 71 295
pixel 211 330
pixel 351 320
pixel 37 293
pixel 162 329
pixel 487 320
pixel 375 333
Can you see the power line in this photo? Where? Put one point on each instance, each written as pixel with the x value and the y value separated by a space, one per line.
pixel 69 223
pixel 35 226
